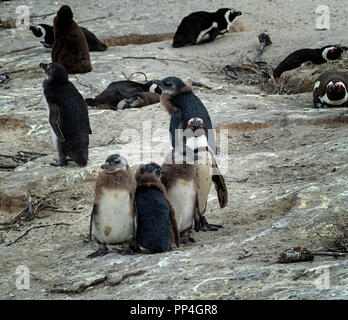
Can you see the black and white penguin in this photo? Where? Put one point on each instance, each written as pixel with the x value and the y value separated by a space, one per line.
pixel 180 180
pixel 201 26
pixel 68 115
pixel 46 36
pixel 156 224
pixel 119 95
pixel 331 90
pixel 207 170
pixel 316 56
pixel 182 105
pixel 113 218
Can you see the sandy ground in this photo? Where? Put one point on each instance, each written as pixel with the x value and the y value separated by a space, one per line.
pixel 286 171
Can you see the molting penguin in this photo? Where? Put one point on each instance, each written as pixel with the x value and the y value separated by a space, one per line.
pixel 45 34
pixel 316 56
pixel 206 169
pixel 180 180
pixel 70 46
pixel 202 26
pixel 68 115
pixel 156 224
pixel 331 90
pixel 127 94
pixel 113 217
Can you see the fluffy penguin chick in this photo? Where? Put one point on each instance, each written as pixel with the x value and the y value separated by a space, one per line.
pixel 331 90
pixel 113 218
pixel 155 215
pixel 180 180
pixel 68 115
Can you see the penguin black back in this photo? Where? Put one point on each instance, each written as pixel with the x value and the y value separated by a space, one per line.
pixel 68 114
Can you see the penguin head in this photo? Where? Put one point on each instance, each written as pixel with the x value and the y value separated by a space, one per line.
pixel 195 124
pixel 170 85
pixel 331 52
pixel 38 31
pixel 55 72
pixel 152 168
pixel 115 163
pixel 225 17
pixel 65 13
pixel 336 88
pixel 154 87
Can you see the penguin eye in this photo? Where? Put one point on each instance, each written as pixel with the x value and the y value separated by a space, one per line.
pixel 330 84
pixel 333 49
pixel 200 120
pixel 338 84
pixel 190 121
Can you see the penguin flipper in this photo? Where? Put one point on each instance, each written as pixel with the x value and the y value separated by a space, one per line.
pixel 54 119
pixel 220 186
pixel 90 223
pixel 197 217
pixel 174 224
pixel 176 123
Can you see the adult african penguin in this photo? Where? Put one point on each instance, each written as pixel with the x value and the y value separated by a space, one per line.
pixel 113 218
pixel 330 89
pixel 126 94
pixel 70 47
pixel 156 224
pixel 207 170
pixel 45 34
pixel 181 182
pixel 68 115
pixel 201 26
pixel 316 56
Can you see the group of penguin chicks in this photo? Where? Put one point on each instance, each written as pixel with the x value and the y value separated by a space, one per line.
pixel 155 206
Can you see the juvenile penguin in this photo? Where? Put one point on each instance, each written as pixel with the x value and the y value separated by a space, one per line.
pixel 156 224
pixel 201 26
pixel 316 56
pixel 68 115
pixel 180 180
pixel 70 46
pixel 113 218
pixel 331 90
pixel 127 94
pixel 206 169
pixel 45 34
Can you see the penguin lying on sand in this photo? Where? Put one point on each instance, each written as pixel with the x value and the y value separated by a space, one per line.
pixel 201 26
pixel 127 94
pixel 183 105
pixel 68 115
pixel 156 224
pixel 316 56
pixel 331 90
pixel 181 182
pixel 46 36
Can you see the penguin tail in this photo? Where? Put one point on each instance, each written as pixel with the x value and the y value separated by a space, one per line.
pixel 179 41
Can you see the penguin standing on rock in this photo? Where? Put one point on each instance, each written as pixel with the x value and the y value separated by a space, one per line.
pixel 183 105
pixel 180 180
pixel 202 26
pixel 45 34
pixel 156 224
pixel 113 218
pixel 331 90
pixel 316 56
pixel 68 115
pixel 127 94
pixel 70 46
pixel 206 169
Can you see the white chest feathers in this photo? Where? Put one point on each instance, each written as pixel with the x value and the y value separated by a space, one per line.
pixel 53 135
pixel 197 142
pixel 114 222
pixel 182 196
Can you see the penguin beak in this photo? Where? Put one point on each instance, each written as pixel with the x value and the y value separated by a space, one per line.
pixel 237 13
pixel 44 66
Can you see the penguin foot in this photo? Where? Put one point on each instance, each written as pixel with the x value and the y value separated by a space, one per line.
pixel 205 226
pixel 126 251
pixel 60 163
pixel 102 251
pixel 186 238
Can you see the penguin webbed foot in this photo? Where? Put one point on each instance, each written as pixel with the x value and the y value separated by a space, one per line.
pixel 60 163
pixel 102 251
pixel 205 226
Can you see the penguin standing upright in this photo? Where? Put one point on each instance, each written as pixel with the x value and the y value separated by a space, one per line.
pixel 126 94
pixel 316 56
pixel 68 115
pixel 201 26
pixel 206 169
pixel 113 218
pixel 331 90
pixel 45 34
pixel 183 105
pixel 156 224
pixel 180 180
pixel 70 46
